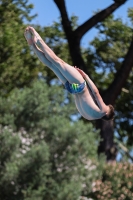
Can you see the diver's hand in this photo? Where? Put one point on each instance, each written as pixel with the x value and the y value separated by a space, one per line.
pixel 81 72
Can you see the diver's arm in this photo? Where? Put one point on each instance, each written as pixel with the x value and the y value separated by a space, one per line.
pixel 94 90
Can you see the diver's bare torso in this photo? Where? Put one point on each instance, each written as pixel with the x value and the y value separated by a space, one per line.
pixel 86 105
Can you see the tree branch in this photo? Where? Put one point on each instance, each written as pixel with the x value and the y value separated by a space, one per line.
pixel 120 78
pixel 125 150
pixel 65 20
pixel 73 40
pixel 81 30
pixel 74 37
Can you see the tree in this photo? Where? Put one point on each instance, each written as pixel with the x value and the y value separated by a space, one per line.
pixel 17 66
pixel 110 49
pixel 116 182
pixel 13 76
pixel 44 155
pixel 46 150
pixel 110 94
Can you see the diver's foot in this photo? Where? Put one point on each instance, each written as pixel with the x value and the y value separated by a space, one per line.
pixel 28 36
pixel 36 37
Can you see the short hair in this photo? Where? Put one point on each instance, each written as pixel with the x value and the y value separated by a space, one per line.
pixel 110 115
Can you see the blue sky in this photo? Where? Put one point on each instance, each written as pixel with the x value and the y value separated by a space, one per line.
pixel 48 12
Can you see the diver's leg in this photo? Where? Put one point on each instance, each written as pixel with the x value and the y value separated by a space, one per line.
pixel 69 72
pixel 50 65
pixel 42 57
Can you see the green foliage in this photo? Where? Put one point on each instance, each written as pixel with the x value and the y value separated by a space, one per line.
pixel 49 156
pixel 44 152
pixel 109 50
pixel 124 120
pixel 17 66
pixel 130 14
pixel 23 167
pixel 106 54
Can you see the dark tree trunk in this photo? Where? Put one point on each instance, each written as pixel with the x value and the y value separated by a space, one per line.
pixel 106 145
pixel 109 97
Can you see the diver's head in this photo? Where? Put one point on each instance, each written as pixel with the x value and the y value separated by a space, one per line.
pixel 110 114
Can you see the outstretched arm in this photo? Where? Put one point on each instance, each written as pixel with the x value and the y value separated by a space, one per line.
pixel 94 90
